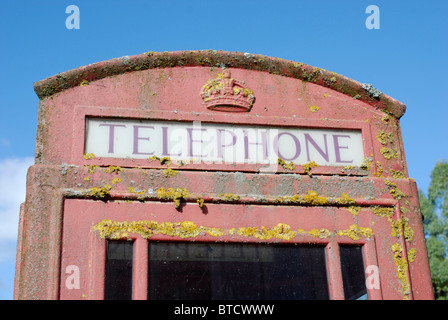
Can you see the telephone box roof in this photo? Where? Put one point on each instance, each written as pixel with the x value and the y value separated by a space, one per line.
pixel 212 58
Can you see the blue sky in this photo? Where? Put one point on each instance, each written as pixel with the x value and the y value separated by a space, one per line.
pixel 406 59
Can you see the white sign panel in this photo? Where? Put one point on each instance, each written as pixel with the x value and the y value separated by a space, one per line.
pixel 222 143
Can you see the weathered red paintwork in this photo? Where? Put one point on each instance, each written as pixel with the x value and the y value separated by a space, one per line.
pixel 57 218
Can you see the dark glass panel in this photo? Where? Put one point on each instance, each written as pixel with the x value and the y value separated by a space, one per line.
pixel 236 271
pixel 119 262
pixel 353 272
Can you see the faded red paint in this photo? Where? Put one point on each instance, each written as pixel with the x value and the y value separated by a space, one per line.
pixel 59 212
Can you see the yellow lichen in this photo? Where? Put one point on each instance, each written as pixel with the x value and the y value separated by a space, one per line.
pixel 102 192
pixel 314 108
pixel 382 211
pixel 345 199
pixel 288 166
pixel 170 172
pixel 379 169
pixel 113 169
pixel 384 138
pixel 401 225
pixel 354 210
pixel 397 174
pixel 89 156
pixel 173 194
pixel 320 233
pixel 366 163
pixel 91 168
pixel 355 232
pixel 312 198
pixel 165 160
pixel 200 201
pixel 115 180
pixel 307 167
pixel 394 191
pixel 187 229
pixel 402 268
pixel 412 254
pixel 231 197
pixel 280 231
pixel 388 153
pixel 137 191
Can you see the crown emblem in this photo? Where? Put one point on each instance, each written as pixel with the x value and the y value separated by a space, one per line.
pixel 225 93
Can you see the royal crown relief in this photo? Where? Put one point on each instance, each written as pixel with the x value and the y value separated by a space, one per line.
pixel 225 93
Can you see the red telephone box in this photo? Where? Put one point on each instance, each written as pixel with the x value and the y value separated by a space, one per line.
pixel 218 175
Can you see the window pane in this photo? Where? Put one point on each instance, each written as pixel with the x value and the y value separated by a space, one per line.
pixel 353 272
pixel 119 261
pixel 236 271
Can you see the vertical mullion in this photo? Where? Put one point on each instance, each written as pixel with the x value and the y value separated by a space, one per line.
pixel 370 259
pixel 334 271
pixel 140 272
pixel 97 268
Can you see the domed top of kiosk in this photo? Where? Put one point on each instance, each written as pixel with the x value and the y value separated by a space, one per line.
pixel 223 59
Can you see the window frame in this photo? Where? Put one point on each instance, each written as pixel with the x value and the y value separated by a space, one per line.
pixel 96 255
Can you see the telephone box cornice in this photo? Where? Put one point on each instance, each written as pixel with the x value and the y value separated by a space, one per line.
pixel 212 58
